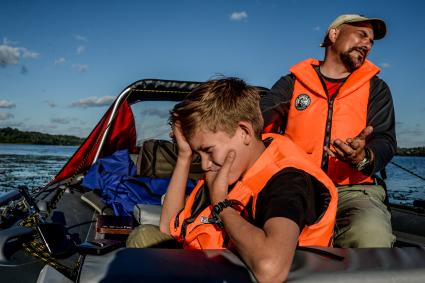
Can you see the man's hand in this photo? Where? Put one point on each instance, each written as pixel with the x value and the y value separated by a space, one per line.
pixel 218 181
pixel 351 151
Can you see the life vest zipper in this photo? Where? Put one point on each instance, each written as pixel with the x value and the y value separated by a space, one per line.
pixel 328 128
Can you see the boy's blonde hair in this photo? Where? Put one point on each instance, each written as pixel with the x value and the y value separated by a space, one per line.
pixel 219 105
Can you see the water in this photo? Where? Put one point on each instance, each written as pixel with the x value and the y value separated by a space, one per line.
pixel 403 187
pixel 30 165
pixel 36 165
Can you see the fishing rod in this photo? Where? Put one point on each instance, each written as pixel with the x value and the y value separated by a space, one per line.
pixel 407 170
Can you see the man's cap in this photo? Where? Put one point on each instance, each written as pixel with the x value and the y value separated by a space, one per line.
pixel 378 25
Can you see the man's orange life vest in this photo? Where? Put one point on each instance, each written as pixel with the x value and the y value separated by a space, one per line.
pixel 195 232
pixel 314 120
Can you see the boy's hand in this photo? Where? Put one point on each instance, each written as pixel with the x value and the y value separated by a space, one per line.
pixel 183 146
pixel 218 181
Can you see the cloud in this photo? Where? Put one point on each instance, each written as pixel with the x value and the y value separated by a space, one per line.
pixel 50 103
pixel 60 61
pixel 62 120
pixel 6 116
pixel 238 16
pixel 10 55
pixel 93 101
pixel 161 113
pixel 385 65
pixel 7 104
pixel 409 135
pixel 409 131
pixel 4 124
pixel 80 67
pixel 80 38
pixel 27 54
pixel 6 41
pixel 81 132
pixel 316 28
pixel 80 49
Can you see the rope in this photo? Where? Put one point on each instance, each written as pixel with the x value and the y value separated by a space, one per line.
pixel 407 170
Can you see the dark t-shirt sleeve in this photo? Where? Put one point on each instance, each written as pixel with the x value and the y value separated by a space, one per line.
pixel 292 194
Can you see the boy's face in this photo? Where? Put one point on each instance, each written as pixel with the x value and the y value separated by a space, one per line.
pixel 213 148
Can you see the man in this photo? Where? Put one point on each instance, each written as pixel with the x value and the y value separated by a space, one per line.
pixel 261 196
pixel 342 115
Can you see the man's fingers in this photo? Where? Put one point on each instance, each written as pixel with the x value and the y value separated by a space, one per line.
pixel 339 153
pixel 329 151
pixel 342 148
pixel 355 144
pixel 365 132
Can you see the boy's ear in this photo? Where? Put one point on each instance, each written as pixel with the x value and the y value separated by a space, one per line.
pixel 246 131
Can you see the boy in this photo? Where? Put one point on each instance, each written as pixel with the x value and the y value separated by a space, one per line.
pixel 260 195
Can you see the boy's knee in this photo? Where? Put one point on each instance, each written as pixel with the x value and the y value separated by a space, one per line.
pixel 146 236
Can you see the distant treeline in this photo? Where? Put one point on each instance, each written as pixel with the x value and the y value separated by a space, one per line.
pixel 414 151
pixel 9 135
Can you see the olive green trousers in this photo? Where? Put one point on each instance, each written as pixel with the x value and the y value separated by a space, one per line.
pixel 146 235
pixel 362 219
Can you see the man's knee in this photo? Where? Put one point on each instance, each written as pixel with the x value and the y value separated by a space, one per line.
pixel 366 232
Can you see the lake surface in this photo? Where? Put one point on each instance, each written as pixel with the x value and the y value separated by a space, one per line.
pixel 36 165
pixel 31 165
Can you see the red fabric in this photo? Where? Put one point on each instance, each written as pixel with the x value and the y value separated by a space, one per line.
pixel 332 87
pixel 268 128
pixel 121 135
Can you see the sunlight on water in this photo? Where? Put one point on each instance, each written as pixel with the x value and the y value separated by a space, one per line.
pixel 30 165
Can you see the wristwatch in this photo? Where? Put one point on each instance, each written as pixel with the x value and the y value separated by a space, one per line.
pixel 366 160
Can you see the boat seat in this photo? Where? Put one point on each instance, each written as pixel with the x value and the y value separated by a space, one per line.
pixel 147 213
pixel 157 159
pixel 174 265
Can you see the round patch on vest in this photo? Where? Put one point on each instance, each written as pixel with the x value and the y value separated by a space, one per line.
pixel 302 102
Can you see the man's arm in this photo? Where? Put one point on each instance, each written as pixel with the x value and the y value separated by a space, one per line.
pixel 382 141
pixel 275 104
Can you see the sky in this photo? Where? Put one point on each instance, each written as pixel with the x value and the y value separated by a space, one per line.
pixel 63 62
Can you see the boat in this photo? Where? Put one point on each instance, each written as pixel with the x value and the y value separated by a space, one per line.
pixel 32 219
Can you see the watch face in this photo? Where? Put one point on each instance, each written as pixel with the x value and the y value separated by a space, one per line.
pixel 362 164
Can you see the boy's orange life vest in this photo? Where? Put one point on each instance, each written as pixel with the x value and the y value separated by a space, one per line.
pixel 343 117
pixel 280 154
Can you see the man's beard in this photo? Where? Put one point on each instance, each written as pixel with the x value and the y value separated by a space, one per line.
pixel 352 62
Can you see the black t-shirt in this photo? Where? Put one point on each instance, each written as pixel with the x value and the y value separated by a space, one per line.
pixel 293 194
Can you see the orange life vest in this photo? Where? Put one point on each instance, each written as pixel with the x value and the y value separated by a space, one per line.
pixel 194 231
pixel 309 125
